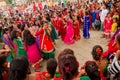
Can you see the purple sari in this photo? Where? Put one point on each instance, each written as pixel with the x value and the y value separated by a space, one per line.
pixel 117 32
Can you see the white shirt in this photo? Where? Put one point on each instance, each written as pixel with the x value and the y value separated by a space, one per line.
pixel 103 14
pixel 100 1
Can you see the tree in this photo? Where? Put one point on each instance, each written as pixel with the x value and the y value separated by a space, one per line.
pixel 8 1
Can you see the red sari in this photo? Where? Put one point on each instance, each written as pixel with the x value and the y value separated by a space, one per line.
pixel 62 29
pixel 76 30
pixel 80 13
pixel 34 7
pixel 40 6
pixel 107 26
pixel 45 41
pixel 55 23
pixel 111 48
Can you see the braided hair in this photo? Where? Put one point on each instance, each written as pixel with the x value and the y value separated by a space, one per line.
pixel 68 66
pixel 91 69
pixel 97 52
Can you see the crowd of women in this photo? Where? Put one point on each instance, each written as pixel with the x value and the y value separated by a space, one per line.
pixel 27 38
pixel 100 68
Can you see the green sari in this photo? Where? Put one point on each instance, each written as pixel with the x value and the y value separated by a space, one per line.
pixel 54 35
pixel 20 47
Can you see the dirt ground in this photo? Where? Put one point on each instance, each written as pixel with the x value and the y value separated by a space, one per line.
pixel 82 48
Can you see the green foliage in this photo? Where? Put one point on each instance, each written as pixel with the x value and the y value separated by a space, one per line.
pixel 9 1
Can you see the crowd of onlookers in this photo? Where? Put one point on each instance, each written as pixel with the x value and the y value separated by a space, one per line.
pixel 28 37
pixel 100 68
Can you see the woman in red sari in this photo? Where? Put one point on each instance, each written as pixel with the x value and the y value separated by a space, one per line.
pixel 55 21
pixel 40 6
pixel 61 25
pixel 46 44
pixel 76 25
pixel 34 6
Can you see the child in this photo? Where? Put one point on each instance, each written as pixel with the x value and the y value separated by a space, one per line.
pixel 114 67
pixel 107 25
pixel 97 24
pixel 114 26
pixel 116 15
pixel 32 49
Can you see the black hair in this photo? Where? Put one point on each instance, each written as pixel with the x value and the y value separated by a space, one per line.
pixel 60 15
pixel 1 31
pixel 105 5
pixel 4 30
pixel 68 66
pixel 51 67
pixel 18 68
pixel 71 16
pixel 11 28
pixel 118 39
pixel 44 22
pixel 23 26
pixel 19 26
pixel 118 26
pixel 14 36
pixel 97 52
pixel 2 68
pixel 115 19
pixel 78 18
pixel 39 18
pixel 37 24
pixel 86 13
pixel 28 37
pixel 67 51
pixel 64 52
pixel 48 17
pixel 91 69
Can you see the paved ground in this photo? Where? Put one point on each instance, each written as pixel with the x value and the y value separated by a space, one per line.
pixel 82 48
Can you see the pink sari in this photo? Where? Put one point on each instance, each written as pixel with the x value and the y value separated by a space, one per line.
pixel 69 33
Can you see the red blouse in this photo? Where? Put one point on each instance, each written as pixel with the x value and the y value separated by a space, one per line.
pixel 42 76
